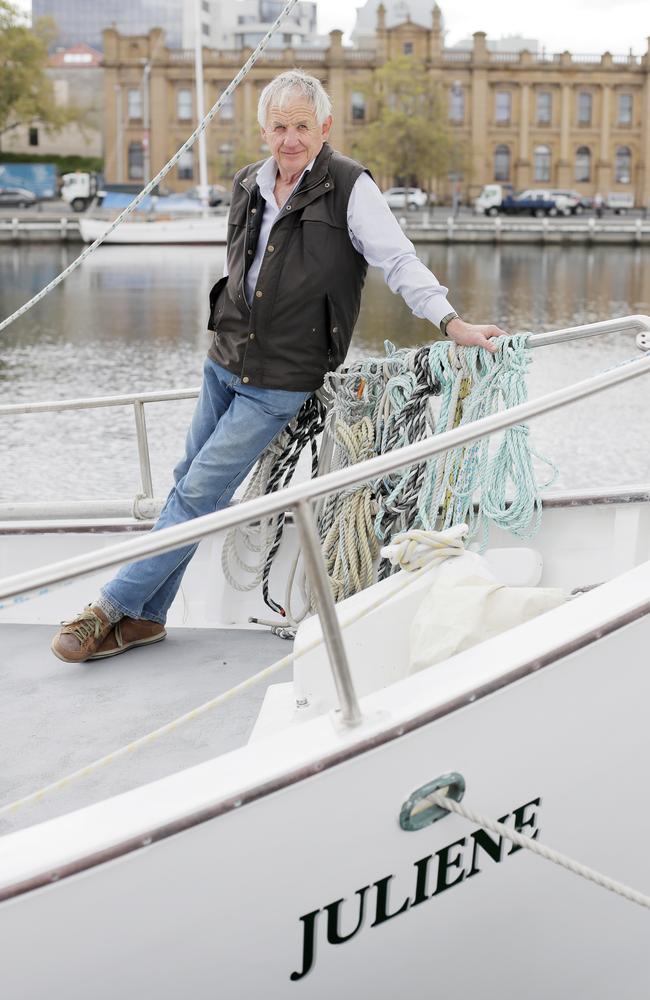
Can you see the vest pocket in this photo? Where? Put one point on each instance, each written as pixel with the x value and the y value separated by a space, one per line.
pixel 337 342
pixel 216 308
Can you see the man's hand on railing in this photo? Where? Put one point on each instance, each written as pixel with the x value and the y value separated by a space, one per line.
pixel 474 335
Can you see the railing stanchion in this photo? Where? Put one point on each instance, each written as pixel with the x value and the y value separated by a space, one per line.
pixel 143 448
pixel 316 572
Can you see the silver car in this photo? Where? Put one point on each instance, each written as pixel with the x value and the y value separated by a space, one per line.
pixel 403 197
pixel 18 197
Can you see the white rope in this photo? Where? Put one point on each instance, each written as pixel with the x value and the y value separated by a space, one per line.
pixel 248 65
pixel 548 853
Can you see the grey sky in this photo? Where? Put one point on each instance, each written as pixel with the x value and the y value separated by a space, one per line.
pixel 584 26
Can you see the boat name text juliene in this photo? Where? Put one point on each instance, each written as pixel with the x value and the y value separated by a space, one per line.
pixel 451 868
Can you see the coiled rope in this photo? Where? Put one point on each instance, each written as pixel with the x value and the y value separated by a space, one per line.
pixel 232 86
pixel 380 404
pixel 273 472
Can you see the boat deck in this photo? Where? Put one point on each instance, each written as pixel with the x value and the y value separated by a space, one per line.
pixel 56 717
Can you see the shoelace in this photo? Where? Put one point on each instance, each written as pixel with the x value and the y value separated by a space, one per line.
pixel 84 625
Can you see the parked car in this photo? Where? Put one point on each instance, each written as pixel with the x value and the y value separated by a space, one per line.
pixel 216 194
pixel 495 198
pixel 574 200
pixel 402 197
pixel 559 198
pixel 19 197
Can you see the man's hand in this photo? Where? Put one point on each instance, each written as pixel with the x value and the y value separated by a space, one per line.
pixel 474 335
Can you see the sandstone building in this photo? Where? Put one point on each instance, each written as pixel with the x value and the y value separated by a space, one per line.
pixel 529 119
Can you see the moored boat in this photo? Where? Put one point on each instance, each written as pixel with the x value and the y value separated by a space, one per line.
pixel 189 229
pixel 312 855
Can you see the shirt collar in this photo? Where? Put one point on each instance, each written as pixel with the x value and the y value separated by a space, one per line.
pixel 267 174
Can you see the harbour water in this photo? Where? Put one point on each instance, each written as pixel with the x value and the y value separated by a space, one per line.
pixel 134 318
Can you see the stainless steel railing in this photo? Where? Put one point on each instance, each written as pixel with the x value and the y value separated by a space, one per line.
pixel 141 506
pixel 135 399
pixel 298 498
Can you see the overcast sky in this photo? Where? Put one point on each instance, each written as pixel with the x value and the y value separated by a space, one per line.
pixel 585 26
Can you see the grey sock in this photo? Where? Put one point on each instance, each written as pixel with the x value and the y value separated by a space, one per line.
pixel 109 610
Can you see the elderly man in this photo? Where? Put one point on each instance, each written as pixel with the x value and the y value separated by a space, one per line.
pixel 304 225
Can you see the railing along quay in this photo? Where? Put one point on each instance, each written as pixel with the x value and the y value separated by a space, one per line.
pixel 20 229
pixel 507 230
pixel 421 229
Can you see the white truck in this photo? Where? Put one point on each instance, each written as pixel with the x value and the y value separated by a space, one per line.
pixel 620 202
pixel 79 189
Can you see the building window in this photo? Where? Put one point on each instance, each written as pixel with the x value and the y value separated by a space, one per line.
pixel 358 106
pixel 502 163
pixel 584 108
pixel 583 164
pixel 542 163
pixel 205 28
pixel 624 109
pixel 226 152
pixel 136 161
pixel 33 137
pixel 186 166
pixel 503 107
pixel 184 105
pixel 408 48
pixel 456 104
pixel 544 107
pixel 134 104
pixel 227 111
pixel 623 165
pixel 205 5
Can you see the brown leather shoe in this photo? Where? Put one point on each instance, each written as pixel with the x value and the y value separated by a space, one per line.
pixel 127 633
pixel 82 636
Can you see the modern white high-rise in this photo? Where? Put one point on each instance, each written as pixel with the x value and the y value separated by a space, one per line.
pixel 238 24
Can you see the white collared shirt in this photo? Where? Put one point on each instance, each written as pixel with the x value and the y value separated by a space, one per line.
pixel 375 233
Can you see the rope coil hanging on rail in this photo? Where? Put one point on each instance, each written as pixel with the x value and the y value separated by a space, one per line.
pixel 378 405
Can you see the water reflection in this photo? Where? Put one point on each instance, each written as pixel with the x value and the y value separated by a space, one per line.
pixel 134 318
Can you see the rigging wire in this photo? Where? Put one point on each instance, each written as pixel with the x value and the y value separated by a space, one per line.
pixel 232 86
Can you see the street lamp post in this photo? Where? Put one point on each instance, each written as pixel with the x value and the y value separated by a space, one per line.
pixel 146 124
pixel 200 106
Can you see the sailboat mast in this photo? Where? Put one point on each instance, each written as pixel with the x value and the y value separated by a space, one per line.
pixel 200 104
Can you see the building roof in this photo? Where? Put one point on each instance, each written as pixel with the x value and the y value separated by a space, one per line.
pixel 79 56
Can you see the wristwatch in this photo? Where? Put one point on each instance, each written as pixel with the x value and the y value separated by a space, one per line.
pixel 445 321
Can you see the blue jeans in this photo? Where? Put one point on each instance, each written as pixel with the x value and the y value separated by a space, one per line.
pixel 232 425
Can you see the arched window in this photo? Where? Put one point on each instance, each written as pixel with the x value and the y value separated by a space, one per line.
pixel 623 168
pixel 136 161
pixel 542 163
pixel 583 164
pixel 502 163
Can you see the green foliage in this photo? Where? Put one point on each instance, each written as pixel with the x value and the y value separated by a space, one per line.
pixel 64 164
pixel 410 134
pixel 26 93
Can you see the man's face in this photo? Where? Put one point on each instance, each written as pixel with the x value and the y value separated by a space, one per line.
pixel 293 134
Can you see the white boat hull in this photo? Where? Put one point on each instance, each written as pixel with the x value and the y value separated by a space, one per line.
pixel 281 830
pixel 187 230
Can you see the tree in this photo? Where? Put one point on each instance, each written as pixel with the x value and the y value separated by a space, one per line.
pixel 410 137
pixel 26 92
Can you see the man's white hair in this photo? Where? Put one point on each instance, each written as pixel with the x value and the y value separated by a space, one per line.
pixel 291 84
